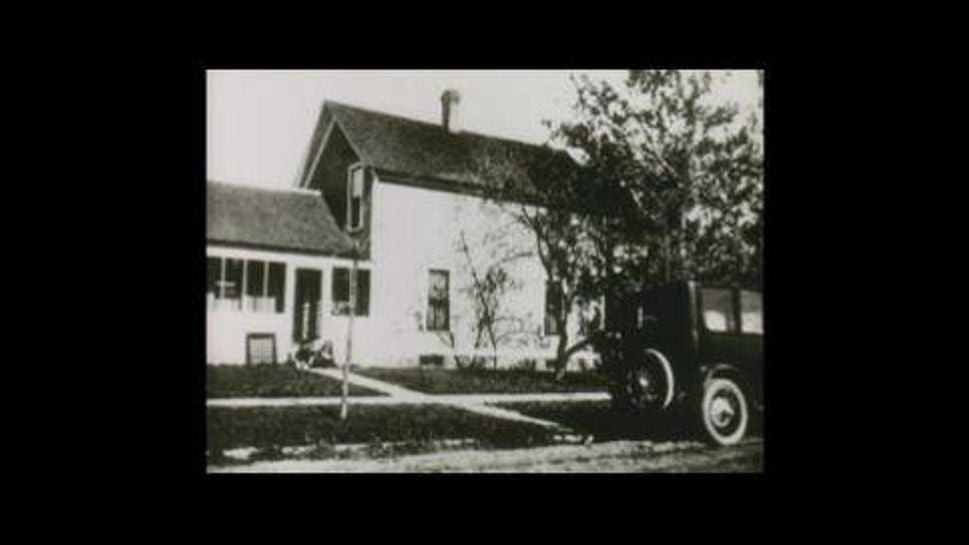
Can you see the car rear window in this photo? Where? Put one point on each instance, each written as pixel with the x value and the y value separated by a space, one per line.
pixel 751 312
pixel 718 310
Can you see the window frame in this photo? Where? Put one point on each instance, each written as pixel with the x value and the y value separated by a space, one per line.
pixel 734 308
pixel 265 274
pixel 280 307
pixel 546 331
pixel 351 171
pixel 241 284
pixel 243 305
pixel 431 302
pixel 218 280
pixel 740 312
pixel 353 299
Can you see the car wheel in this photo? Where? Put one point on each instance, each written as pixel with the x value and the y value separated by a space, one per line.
pixel 649 385
pixel 724 411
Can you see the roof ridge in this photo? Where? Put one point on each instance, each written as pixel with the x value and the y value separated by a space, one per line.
pixel 296 190
pixel 428 123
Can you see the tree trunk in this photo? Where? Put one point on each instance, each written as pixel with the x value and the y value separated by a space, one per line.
pixel 494 348
pixel 561 357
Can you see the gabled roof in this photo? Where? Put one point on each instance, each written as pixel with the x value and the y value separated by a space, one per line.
pixel 417 149
pixel 284 220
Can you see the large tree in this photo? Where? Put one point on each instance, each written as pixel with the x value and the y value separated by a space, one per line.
pixel 692 168
pixel 549 197
pixel 669 187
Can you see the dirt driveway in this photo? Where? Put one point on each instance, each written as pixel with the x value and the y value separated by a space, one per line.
pixel 611 457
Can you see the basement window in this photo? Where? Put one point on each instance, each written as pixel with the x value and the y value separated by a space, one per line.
pixel 260 348
pixel 430 360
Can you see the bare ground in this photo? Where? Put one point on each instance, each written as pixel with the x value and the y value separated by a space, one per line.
pixel 609 457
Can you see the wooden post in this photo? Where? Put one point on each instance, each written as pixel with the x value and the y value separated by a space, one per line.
pixel 349 355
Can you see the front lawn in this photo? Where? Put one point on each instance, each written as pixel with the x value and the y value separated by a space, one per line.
pixel 485 381
pixel 270 428
pixel 269 380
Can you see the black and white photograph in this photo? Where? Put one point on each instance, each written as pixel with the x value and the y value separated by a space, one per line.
pixel 484 271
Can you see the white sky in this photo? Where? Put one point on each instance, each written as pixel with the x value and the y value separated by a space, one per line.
pixel 259 122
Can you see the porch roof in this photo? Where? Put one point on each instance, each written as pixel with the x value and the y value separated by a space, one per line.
pixel 284 220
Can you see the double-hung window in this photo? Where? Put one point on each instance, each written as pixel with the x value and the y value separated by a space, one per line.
pixel 250 285
pixel 343 288
pixel 438 301
pixel 355 188
pixel 553 307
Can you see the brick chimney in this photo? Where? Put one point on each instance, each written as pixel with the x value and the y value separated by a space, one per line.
pixel 451 111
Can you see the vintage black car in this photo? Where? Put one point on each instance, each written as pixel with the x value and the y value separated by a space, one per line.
pixel 689 349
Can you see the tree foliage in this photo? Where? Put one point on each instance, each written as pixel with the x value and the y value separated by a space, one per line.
pixel 682 179
pixel 670 188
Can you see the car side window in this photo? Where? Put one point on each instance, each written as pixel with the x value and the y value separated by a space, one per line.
pixel 751 312
pixel 718 310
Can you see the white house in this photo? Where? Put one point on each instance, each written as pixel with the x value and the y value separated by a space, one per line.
pixel 408 194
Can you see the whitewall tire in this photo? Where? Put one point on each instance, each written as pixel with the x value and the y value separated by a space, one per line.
pixel 724 411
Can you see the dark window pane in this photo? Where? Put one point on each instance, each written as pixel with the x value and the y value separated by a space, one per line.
pixel 255 286
pixel 356 197
pixel 232 287
pixel 751 312
pixel 438 303
pixel 718 310
pixel 355 212
pixel 553 306
pixel 214 273
pixel 435 360
pixel 277 286
pixel 341 291
pixel 363 292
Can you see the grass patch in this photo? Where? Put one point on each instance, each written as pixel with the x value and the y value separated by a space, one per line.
pixel 270 428
pixel 272 381
pixel 486 381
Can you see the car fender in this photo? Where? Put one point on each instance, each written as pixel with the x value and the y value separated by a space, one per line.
pixel 724 370
pixel 668 371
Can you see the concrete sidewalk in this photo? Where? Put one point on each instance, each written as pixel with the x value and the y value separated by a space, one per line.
pixel 398 395
pixel 371 383
pixel 446 399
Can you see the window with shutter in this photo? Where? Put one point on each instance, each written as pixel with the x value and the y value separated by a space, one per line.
pixel 342 288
